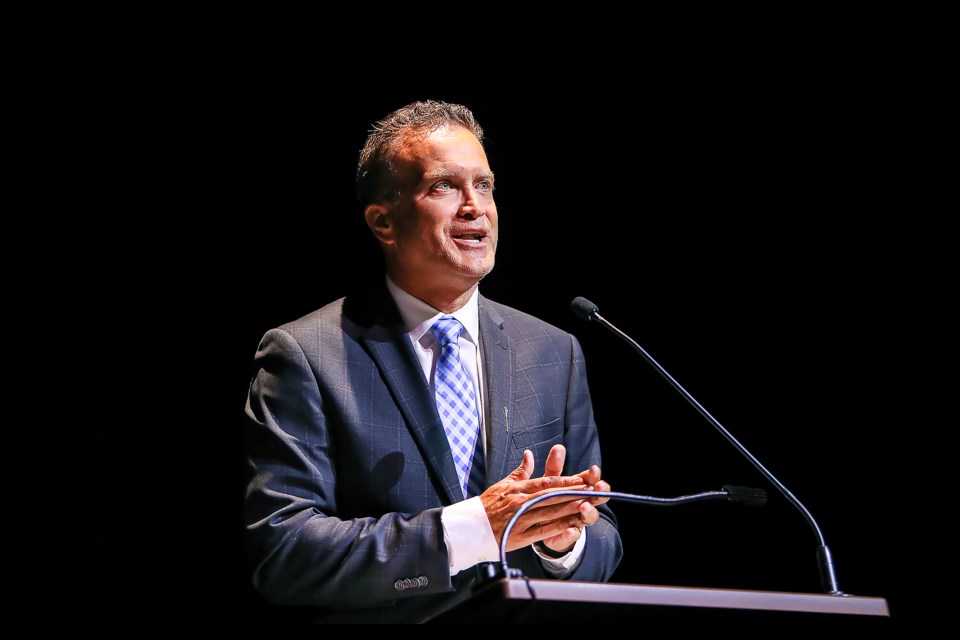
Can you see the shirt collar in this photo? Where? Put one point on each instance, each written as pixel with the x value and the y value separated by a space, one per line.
pixel 418 316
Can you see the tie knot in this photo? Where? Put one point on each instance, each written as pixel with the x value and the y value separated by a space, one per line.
pixel 447 330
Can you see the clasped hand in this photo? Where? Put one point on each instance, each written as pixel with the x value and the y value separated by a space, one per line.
pixel 556 522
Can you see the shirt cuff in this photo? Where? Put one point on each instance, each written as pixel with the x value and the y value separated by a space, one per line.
pixel 565 565
pixel 468 535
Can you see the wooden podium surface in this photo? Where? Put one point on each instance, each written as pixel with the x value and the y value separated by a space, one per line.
pixel 519 600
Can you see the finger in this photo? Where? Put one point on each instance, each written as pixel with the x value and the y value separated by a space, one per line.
pixel 601 488
pixel 588 514
pixel 543 512
pixel 599 500
pixel 525 470
pixel 548 483
pixel 555 460
pixel 564 542
pixel 591 476
pixel 520 538
pixel 569 503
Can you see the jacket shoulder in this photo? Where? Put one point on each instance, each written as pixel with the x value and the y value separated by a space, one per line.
pixel 522 322
pixel 326 316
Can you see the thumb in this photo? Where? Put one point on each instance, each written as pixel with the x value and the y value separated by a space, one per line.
pixel 525 470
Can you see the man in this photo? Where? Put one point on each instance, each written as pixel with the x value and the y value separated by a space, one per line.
pixel 393 434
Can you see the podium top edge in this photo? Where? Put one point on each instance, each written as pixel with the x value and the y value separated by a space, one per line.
pixel 639 594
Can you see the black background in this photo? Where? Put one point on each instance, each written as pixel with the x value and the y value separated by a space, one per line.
pixel 773 231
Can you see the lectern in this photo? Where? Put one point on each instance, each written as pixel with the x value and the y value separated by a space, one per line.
pixel 521 600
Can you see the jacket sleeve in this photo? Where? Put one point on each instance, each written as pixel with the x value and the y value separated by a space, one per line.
pixel 604 549
pixel 300 552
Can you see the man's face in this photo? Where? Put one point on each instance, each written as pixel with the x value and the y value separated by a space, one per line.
pixel 443 231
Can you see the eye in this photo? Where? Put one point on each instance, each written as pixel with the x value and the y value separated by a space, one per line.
pixel 485 185
pixel 443 185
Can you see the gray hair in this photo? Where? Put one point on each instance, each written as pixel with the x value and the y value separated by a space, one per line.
pixel 416 120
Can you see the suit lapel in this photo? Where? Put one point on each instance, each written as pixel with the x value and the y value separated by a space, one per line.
pixel 498 368
pixel 389 347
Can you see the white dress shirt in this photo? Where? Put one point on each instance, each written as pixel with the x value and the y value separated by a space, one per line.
pixel 466 529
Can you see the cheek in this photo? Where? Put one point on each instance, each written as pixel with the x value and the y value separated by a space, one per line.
pixel 421 226
pixel 431 220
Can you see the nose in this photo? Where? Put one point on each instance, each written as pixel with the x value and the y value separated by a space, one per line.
pixel 472 206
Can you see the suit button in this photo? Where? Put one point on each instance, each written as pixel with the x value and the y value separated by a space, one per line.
pixel 408 583
pixel 422 581
pixel 398 585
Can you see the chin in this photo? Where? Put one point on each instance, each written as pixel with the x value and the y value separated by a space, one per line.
pixel 480 271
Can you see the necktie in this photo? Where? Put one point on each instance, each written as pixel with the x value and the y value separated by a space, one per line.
pixel 457 405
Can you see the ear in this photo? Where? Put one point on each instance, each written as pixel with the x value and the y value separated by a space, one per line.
pixel 380 223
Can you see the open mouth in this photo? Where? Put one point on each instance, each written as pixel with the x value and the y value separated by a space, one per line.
pixel 474 238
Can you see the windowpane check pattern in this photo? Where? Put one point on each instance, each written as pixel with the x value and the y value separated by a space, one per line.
pixel 457 404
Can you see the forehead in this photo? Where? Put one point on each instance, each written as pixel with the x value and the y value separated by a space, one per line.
pixel 451 147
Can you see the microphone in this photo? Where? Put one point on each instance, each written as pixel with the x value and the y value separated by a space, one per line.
pixel 588 311
pixel 743 495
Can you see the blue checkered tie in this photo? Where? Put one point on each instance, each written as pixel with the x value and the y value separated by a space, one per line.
pixel 457 404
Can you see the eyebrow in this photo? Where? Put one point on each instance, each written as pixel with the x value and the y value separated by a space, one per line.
pixel 446 173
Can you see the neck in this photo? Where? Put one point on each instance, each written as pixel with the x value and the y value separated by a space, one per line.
pixel 444 298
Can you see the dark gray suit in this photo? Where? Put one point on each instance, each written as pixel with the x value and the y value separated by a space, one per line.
pixel 351 467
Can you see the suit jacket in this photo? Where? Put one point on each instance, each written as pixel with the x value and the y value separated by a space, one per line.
pixel 350 465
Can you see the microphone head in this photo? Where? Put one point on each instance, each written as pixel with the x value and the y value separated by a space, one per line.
pixel 583 308
pixel 746 495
